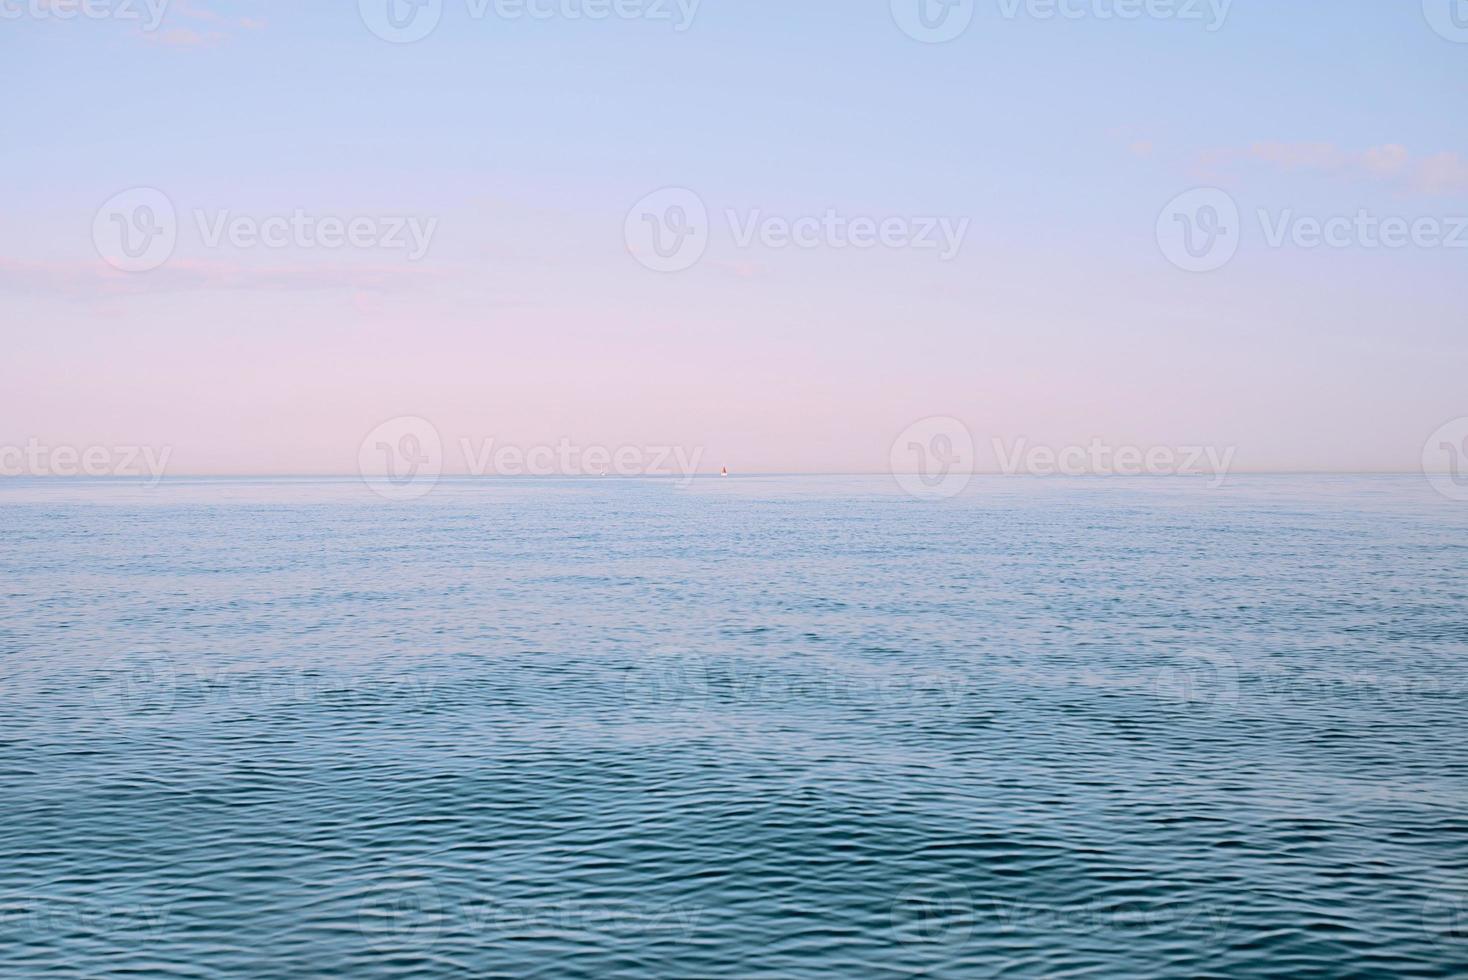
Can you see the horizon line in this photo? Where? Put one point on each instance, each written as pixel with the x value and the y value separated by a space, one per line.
pixel 709 475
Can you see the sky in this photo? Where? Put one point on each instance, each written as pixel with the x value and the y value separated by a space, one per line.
pixel 781 233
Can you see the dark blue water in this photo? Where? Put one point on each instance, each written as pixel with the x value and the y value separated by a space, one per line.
pixel 748 728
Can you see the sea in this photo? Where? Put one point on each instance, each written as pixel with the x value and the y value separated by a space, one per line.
pixel 749 727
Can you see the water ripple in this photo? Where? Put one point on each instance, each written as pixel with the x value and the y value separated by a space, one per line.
pixel 752 728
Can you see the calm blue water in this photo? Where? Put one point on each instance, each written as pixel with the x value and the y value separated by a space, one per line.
pixel 750 728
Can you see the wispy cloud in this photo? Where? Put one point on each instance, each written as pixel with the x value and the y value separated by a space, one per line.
pixel 1440 173
pixel 185 37
pixel 84 280
pixel 1443 173
pixel 212 25
pixel 197 11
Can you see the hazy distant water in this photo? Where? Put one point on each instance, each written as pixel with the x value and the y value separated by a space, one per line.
pixel 749 728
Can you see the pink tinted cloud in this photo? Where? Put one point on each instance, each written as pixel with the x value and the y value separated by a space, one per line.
pixel 90 280
pixel 197 11
pixel 188 37
pixel 1441 173
pixel 184 37
pixel 1299 156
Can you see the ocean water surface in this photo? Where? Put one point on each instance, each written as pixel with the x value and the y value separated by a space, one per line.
pixel 764 727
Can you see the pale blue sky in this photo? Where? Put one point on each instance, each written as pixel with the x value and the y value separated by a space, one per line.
pixel 1060 141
